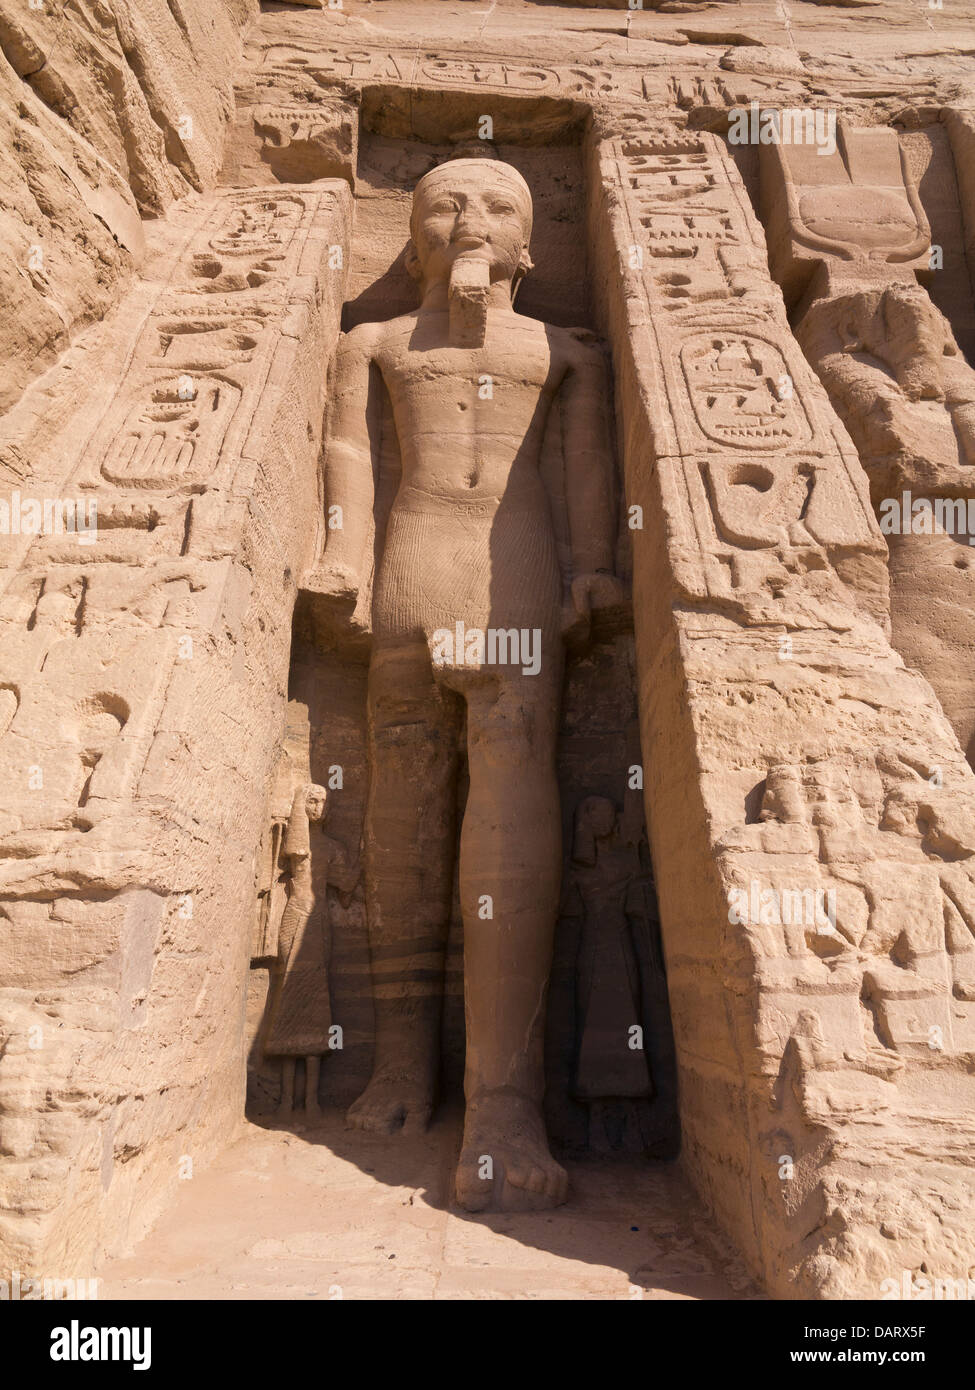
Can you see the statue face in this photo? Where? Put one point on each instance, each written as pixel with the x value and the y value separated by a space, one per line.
pixel 315 804
pixel 602 817
pixel 470 214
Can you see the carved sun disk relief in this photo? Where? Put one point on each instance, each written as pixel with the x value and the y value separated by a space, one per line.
pixel 96 719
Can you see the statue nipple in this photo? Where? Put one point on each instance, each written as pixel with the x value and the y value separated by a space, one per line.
pixel 467 298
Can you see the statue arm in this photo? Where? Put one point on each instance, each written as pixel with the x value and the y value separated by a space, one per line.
pixel 590 484
pixel 878 354
pixel 349 466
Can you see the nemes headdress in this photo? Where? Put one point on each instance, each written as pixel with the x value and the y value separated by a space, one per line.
pixel 495 168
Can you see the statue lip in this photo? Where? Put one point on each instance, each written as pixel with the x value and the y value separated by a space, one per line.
pixel 469 242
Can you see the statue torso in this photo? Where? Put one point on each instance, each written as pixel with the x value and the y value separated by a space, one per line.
pixel 470 533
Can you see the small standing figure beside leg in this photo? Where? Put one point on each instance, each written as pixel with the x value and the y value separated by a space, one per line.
pixel 612 1070
pixel 300 1014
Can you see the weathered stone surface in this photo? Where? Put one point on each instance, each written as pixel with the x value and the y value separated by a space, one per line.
pixel 145 673
pixel 733 842
pixel 108 113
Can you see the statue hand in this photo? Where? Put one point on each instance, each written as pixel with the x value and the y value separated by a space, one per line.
pixel 590 594
pixel 334 579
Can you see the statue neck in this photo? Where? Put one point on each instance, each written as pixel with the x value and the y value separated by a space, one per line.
pixel 435 296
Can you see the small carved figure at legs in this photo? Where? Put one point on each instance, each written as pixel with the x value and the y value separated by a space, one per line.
pixel 287 1102
pixel 300 1010
pixel 286 1105
pixel 313 1067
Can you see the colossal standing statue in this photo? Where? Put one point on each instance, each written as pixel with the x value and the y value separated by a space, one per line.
pixel 468 616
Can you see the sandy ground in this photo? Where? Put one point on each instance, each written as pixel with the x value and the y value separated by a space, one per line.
pixel 328 1213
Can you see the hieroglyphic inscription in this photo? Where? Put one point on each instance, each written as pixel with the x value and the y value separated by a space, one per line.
pixel 281 65
pixel 174 428
pixel 201 361
pixel 737 385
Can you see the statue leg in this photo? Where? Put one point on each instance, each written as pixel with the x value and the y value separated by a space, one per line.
pixel 414 726
pixel 287 1102
pixel 312 1071
pixel 510 875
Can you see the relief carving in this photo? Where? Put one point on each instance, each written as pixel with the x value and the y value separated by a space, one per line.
pixel 440 627
pixel 849 241
pixel 622 1022
pixel 173 440
pixel 740 392
pixel 299 1010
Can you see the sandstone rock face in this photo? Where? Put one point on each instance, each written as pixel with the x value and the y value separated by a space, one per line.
pixel 110 112
pixel 452 324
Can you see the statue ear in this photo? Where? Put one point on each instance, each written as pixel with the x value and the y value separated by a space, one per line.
pixel 411 260
pixel 525 264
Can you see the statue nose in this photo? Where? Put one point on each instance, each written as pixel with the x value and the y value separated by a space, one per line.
pixel 471 227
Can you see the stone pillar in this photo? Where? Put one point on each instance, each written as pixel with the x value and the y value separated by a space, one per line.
pixel 812 815
pixel 145 672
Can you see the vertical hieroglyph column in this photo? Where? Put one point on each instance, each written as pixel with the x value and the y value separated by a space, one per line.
pixel 812 816
pixel 145 666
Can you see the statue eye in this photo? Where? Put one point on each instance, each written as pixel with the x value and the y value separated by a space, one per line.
pixel 504 208
pixel 444 205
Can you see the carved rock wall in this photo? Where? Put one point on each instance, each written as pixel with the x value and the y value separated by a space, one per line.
pixel 787 747
pixel 145 686
pixel 797 746
pixel 598 740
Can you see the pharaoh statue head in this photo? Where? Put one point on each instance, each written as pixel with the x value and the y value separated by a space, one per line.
pixel 470 211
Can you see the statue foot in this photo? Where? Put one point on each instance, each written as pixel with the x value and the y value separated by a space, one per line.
pixel 508 1129
pixel 391 1101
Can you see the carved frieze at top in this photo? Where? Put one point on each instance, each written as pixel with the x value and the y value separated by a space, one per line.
pixel 699 80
